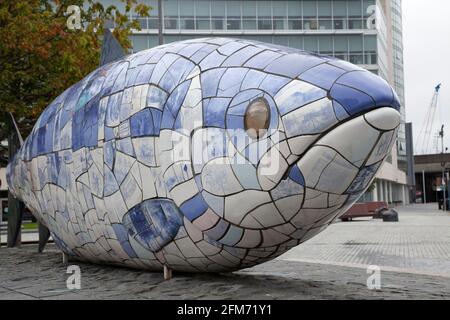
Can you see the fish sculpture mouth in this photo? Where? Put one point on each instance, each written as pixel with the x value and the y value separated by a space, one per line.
pixel 374 139
pixel 320 182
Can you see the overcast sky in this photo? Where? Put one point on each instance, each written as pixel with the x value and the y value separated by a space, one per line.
pixel 426 32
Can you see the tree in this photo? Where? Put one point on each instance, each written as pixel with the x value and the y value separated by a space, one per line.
pixel 40 56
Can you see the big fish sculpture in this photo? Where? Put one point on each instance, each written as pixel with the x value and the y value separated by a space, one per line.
pixel 206 155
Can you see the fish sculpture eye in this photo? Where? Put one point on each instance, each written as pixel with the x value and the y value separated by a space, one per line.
pixel 257 118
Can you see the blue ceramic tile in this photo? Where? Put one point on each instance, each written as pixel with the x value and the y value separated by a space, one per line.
pixel 232 236
pixel 324 75
pixel 177 97
pixel 125 146
pixel 210 82
pixel 230 83
pixel 353 101
pixel 213 60
pixel 272 84
pixel 339 110
pixel 156 97
pixel 193 208
pixel 253 79
pixel 141 124
pixel 231 47
pixel 85 126
pixel 296 175
pixel 122 235
pixel 218 230
pixel 145 73
pixel 262 60
pixel 238 58
pixel 111 185
pixel 215 111
pixel 290 65
pixel 370 84
pixel 202 53
pixel 176 74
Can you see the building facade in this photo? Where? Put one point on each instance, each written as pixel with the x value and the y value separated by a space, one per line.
pixel 365 32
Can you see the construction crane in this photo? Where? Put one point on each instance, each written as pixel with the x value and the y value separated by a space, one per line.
pixel 423 144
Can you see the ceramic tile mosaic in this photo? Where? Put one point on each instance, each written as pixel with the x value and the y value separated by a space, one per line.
pixel 150 160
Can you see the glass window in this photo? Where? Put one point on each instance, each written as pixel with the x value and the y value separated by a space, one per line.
pixel 171 23
pixel 234 15
pixel 309 8
pixel 281 40
pixel 356 49
pixel 355 8
pixel 311 44
pixel 355 23
pixel 295 15
pixel 218 9
pixel 355 43
pixel 139 42
pixel 355 20
pixel 294 9
pixel 218 15
pixel 279 15
pixel 170 8
pixel 233 24
pixel 203 24
pixel 153 41
pixel 202 9
pixel 264 15
pixel 370 43
pixel 310 15
pixel 188 23
pixel 153 23
pixel 295 24
pixel 233 8
pixel 142 22
pixel 249 9
pixel 154 5
pixel 324 8
pixel 296 42
pixel 249 24
pixel 218 23
pixel 279 24
pixel 326 45
pixel 370 50
pixel 341 47
pixel 340 15
pixel 366 5
pixel 340 8
pixel 280 8
pixel 249 15
pixel 264 9
pixel 264 24
pixel 169 39
pixel 187 8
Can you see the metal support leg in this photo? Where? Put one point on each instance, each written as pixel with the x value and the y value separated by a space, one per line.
pixel 65 258
pixel 167 273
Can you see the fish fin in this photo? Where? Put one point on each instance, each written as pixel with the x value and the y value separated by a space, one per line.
pixel 44 235
pixel 111 49
pixel 16 128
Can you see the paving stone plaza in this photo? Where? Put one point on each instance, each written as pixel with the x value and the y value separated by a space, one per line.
pixel 413 256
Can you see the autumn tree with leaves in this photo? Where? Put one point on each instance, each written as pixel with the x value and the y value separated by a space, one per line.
pixel 40 56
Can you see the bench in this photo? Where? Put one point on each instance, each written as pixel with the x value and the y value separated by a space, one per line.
pixel 361 210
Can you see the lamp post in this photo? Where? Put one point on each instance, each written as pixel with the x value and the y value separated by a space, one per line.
pixel 441 135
